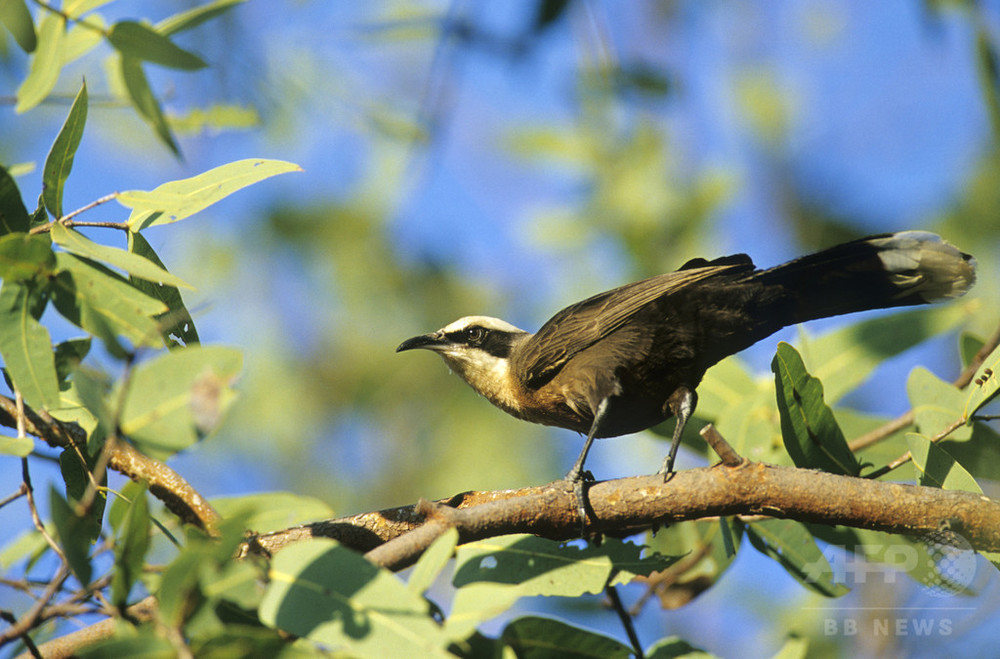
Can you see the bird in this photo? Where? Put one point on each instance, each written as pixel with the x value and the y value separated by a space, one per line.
pixel 630 358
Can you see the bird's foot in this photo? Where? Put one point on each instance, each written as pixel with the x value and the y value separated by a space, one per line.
pixel 667 469
pixel 580 480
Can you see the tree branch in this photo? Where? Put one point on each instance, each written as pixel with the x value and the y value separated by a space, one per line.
pixel 164 483
pixel 395 537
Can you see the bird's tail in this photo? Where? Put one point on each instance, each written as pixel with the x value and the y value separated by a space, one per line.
pixel 888 270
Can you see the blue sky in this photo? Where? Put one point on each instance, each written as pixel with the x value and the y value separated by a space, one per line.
pixel 885 121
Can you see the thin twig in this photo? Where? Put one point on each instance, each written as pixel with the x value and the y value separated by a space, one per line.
pixel 75 19
pixel 906 457
pixel 623 615
pixel 21 491
pixel 28 643
pixel 906 419
pixel 31 618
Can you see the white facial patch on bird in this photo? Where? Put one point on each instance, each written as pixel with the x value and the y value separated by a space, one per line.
pixel 486 322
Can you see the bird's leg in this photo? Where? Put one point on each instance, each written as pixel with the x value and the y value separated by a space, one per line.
pixel 682 403
pixel 576 474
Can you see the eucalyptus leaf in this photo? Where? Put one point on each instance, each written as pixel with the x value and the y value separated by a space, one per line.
pixel 432 561
pixel 144 100
pixel 26 348
pixel 46 63
pixel 138 266
pixel 533 637
pixel 13 215
pixel 331 595
pixel 60 159
pixel 16 18
pixel 810 431
pixel 986 385
pixel 178 200
pixel 936 404
pixel 74 535
pixel 179 396
pixel 791 545
pixel 142 42
pixel 24 257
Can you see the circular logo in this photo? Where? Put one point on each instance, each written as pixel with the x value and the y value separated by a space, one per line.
pixel 950 563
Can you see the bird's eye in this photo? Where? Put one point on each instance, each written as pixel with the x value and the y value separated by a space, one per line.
pixel 475 335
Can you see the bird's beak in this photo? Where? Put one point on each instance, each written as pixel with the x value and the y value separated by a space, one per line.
pixel 432 341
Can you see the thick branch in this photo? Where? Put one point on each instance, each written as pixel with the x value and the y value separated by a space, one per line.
pixel 629 505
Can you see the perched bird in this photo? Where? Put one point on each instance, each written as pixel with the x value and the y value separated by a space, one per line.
pixel 627 359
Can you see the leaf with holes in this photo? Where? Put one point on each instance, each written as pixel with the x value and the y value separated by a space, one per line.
pixel 985 385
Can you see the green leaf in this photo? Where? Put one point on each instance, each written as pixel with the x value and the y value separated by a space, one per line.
pixel 131 545
pixel 936 404
pixel 81 39
pixel 145 102
pixel 791 545
pixel 273 511
pixel 725 385
pixel 74 535
pixel 675 648
pixel 432 561
pixel 104 304
pixel 19 446
pixel 795 647
pixel 492 574
pixel 26 348
pixel 60 159
pixel 138 266
pixel 22 547
pixel 46 63
pixel 93 413
pixel 15 16
pixel 937 468
pixel 177 200
pixel 179 396
pixel 24 257
pixel 969 345
pixel 142 42
pixel 77 8
pixel 715 542
pixel 984 387
pixel 68 356
pixel 146 643
pixel 329 594
pixel 177 322
pixel 845 358
pixel 76 475
pixel 13 214
pixel 215 119
pixel 810 431
pixel 532 637
pixel 191 18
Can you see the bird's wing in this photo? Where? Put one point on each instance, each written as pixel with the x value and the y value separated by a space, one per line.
pixel 583 324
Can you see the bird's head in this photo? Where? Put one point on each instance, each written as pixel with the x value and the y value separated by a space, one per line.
pixel 478 348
